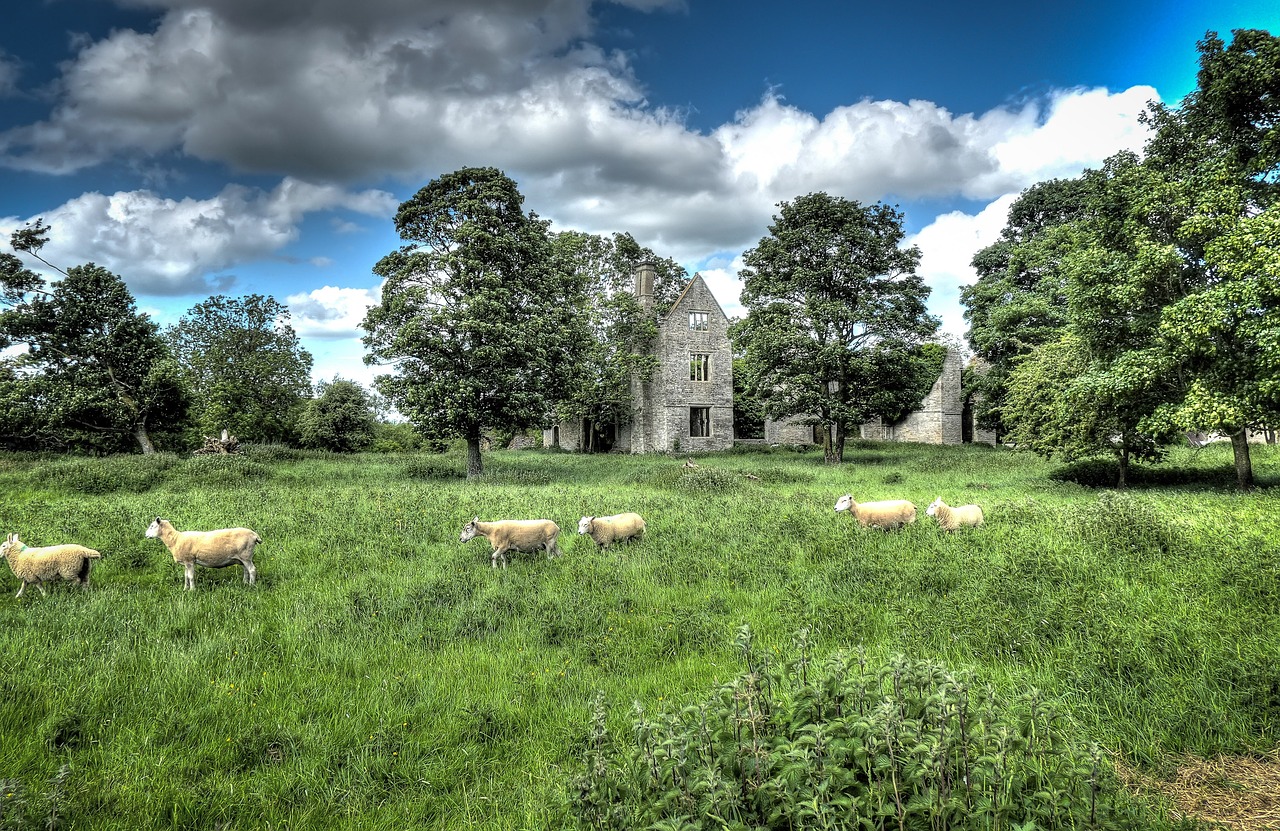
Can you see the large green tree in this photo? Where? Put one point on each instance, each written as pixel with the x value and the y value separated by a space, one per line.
pixel 95 374
pixel 619 349
pixel 341 418
pixel 246 366
pixel 481 327
pixel 836 317
pixel 1222 145
pixel 1019 301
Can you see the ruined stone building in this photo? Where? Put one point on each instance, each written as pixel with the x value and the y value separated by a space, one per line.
pixel 688 405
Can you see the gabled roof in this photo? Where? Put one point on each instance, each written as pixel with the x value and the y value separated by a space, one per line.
pixel 697 279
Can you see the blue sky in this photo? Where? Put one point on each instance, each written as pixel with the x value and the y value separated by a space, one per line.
pixel 201 147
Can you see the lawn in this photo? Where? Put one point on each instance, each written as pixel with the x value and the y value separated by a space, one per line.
pixel 381 675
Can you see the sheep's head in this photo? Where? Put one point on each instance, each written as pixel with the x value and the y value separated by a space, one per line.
pixel 584 524
pixel 845 502
pixel 469 530
pixel 10 545
pixel 932 510
pixel 153 530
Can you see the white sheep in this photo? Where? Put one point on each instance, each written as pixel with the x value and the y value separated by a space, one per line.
pixel 40 565
pixel 949 518
pixel 214 549
pixel 891 513
pixel 514 535
pixel 606 530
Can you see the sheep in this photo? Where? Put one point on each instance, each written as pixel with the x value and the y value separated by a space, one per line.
pixel 39 565
pixel 606 530
pixel 949 518
pixel 514 534
pixel 214 549
pixel 891 513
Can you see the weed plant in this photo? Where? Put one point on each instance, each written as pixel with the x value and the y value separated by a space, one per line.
pixel 381 675
pixel 841 743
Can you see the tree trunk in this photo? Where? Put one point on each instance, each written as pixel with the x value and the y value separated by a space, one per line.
pixel 839 443
pixel 828 447
pixel 475 465
pixel 1244 466
pixel 144 440
pixel 1123 479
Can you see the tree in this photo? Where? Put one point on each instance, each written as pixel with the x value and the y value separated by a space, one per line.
pixel 95 374
pixel 341 417
pixel 1019 302
pixel 1223 145
pixel 835 317
pixel 619 349
pixel 481 327
pixel 245 365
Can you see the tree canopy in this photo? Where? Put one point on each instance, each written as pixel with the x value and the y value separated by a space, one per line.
pixel 836 317
pixel 481 326
pixel 95 375
pixel 340 418
pixel 245 366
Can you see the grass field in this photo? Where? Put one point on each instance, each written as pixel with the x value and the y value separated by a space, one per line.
pixel 382 675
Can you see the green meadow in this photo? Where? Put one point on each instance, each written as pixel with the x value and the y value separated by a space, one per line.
pixel 381 675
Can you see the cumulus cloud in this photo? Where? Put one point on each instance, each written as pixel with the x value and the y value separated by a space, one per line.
pixel 947 246
pixel 163 246
pixel 331 312
pixel 341 92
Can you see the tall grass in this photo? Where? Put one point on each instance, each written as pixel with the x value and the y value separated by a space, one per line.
pixel 381 675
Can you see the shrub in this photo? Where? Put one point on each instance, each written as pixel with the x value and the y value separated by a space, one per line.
pixel 840 743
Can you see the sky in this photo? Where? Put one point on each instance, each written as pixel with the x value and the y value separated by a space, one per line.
pixel 204 147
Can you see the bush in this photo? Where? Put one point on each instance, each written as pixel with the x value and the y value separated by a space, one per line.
pixel 842 744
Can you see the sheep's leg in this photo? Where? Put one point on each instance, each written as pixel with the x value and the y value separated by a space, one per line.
pixel 40 586
pixel 250 573
pixel 21 588
pixel 189 575
pixel 499 553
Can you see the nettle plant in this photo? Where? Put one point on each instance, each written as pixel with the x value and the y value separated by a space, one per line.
pixel 839 743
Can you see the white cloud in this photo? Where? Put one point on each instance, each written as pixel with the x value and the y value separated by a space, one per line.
pixel 947 246
pixel 330 311
pixel 167 246
pixel 10 69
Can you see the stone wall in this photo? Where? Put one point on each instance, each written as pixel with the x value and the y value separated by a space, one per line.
pixel 938 418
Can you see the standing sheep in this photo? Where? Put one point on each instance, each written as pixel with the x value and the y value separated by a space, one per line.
pixel 514 535
pixel 40 565
pixel 606 530
pixel 214 549
pixel 949 518
pixel 889 514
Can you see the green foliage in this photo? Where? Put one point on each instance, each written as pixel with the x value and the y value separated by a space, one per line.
pixel 482 324
pixel 835 316
pixel 842 742
pixel 245 366
pixel 396 437
pixel 128 474
pixel 339 418
pixel 96 376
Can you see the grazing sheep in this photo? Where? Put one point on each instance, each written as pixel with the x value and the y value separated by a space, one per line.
pixel 892 513
pixel 214 549
pixel 949 518
pixel 514 535
pixel 40 565
pixel 606 530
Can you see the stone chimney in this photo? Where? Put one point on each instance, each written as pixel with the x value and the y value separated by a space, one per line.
pixel 645 275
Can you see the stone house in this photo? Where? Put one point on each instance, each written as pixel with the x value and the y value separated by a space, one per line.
pixel 688 404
